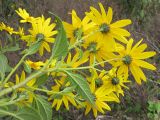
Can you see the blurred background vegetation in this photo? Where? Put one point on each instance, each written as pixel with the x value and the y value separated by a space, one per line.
pixel 140 102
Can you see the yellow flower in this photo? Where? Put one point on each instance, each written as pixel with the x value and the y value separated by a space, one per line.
pixel 23 89
pixel 25 16
pixel 107 31
pixel 35 65
pixel 95 50
pixel 101 97
pixel 96 77
pixel 114 82
pixel 42 31
pixel 77 27
pixel 9 29
pixel 65 98
pixel 133 58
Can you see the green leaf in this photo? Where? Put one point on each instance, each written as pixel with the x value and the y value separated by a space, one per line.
pixel 9 68
pixel 27 68
pixel 82 87
pixel 68 89
pixel 41 79
pixel 60 47
pixel 4 65
pixel 25 113
pixel 43 107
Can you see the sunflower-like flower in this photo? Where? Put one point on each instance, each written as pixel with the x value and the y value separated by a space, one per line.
pixel 107 31
pixel 101 97
pixel 43 32
pixel 78 28
pixel 35 65
pixel 96 77
pixel 95 50
pixel 31 83
pixel 59 99
pixel 25 16
pixel 132 58
pixel 114 82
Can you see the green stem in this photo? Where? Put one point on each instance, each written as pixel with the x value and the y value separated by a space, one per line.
pixel 96 64
pixel 42 90
pixel 14 69
pixel 62 69
pixel 11 102
pixel 8 90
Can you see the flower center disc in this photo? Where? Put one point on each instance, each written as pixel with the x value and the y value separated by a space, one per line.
pixel 92 47
pixel 99 82
pixel 40 36
pixel 127 59
pixel 115 81
pixel 104 28
pixel 77 33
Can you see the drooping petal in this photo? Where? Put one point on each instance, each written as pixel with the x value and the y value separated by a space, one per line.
pixel 136 77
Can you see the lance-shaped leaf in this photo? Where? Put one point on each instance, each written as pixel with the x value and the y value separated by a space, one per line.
pixel 82 87
pixel 60 47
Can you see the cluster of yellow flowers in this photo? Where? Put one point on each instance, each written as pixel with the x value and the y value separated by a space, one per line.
pixel 93 41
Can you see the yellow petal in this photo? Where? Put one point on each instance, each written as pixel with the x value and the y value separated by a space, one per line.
pixel 120 31
pixel 75 19
pixel 129 46
pixel 109 15
pixel 144 64
pixel 46 46
pixel 65 101
pixel 143 55
pixel 59 102
pixel 22 76
pixel 135 75
pixel 140 72
pixel 88 108
pixel 103 11
pixel 136 45
pixel 139 49
pixel 94 112
pixel 121 23
pixel 41 49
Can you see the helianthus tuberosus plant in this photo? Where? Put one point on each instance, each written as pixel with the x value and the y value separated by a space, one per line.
pixel 76 73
